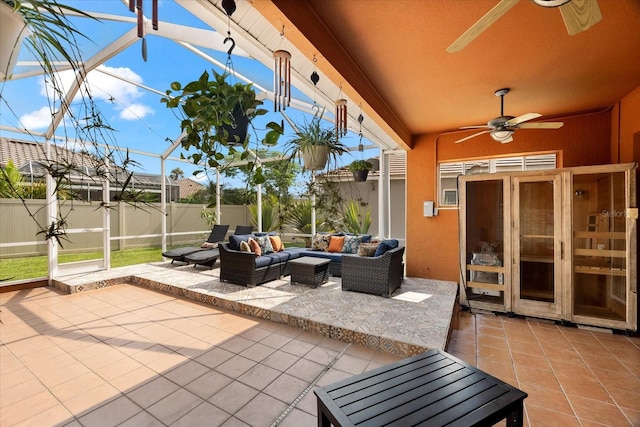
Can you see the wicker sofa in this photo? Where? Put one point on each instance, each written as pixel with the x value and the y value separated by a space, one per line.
pixel 244 268
pixel 380 275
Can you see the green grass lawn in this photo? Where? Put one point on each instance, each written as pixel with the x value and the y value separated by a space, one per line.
pixel 32 267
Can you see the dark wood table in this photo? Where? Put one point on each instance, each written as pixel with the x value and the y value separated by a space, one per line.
pixel 309 270
pixel 430 389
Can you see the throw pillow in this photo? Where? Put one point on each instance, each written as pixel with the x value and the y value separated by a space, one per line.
pixel 351 244
pixel 386 245
pixel 265 244
pixel 208 245
pixel 367 249
pixel 236 239
pixel 255 247
pixel 244 247
pixel 336 243
pixel 320 242
pixel 277 244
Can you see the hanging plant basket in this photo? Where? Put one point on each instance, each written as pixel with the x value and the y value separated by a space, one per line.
pixel 14 29
pixel 236 133
pixel 315 157
pixel 361 175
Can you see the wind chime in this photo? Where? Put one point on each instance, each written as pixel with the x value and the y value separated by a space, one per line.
pixel 360 120
pixel 137 6
pixel 341 116
pixel 315 78
pixel 281 78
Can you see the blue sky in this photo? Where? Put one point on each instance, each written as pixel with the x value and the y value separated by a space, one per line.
pixel 140 121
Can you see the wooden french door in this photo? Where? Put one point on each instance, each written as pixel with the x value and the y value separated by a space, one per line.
pixel 537 246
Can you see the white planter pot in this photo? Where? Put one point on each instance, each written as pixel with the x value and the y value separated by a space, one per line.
pixel 14 29
pixel 315 157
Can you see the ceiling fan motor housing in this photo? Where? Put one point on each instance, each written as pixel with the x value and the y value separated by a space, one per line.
pixel 499 122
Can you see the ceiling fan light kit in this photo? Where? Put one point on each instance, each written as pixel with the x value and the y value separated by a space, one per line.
pixel 502 136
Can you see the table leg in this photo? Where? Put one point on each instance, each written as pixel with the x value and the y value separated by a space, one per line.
pixel 323 421
pixel 514 419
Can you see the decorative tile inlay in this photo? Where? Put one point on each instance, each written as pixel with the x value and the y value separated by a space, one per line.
pixel 404 326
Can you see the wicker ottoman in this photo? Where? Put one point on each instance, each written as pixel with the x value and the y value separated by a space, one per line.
pixel 309 271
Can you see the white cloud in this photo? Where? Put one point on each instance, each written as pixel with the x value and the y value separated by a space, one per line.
pixel 38 119
pixel 104 87
pixel 135 111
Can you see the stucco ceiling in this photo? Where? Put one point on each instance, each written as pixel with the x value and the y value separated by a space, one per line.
pixel 392 55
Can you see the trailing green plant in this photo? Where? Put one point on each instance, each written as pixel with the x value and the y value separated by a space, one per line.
pixel 312 133
pixel 329 200
pixel 53 36
pixel 360 165
pixel 209 108
pixel 357 217
pixel 53 41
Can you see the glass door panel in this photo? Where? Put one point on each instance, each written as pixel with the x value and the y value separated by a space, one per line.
pixel 484 241
pixel 599 246
pixel 537 249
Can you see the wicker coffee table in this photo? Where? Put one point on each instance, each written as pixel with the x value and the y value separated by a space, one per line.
pixel 309 271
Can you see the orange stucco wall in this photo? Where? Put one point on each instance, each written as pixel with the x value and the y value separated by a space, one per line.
pixel 625 126
pixel 585 139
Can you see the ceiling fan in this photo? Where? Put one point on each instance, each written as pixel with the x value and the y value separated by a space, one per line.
pixel 578 15
pixel 502 127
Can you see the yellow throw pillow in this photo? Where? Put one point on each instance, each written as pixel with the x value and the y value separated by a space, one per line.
pixel 255 247
pixel 336 243
pixel 277 244
pixel 244 247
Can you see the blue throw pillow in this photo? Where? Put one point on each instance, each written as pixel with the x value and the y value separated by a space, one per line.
pixel 386 245
pixel 366 238
pixel 236 239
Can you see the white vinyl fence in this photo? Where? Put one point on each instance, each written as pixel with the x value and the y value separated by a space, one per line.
pixel 131 226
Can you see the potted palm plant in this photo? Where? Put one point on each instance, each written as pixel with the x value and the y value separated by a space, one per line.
pixel 360 169
pixel 216 118
pixel 315 144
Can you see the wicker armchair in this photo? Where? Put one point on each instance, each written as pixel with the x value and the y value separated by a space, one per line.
pixel 379 275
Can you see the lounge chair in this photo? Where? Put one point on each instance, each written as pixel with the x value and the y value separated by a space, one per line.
pixel 243 229
pixel 208 257
pixel 218 234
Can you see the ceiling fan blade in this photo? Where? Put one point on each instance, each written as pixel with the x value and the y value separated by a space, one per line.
pixel 476 127
pixel 541 125
pixel 580 15
pixel 522 118
pixel 482 24
pixel 473 136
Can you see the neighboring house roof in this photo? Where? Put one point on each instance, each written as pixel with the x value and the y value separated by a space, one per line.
pixel 189 187
pixel 397 167
pixel 29 157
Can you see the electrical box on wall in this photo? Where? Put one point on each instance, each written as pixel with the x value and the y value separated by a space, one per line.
pixel 430 209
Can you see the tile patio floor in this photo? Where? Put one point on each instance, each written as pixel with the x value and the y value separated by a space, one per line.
pixel 129 355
